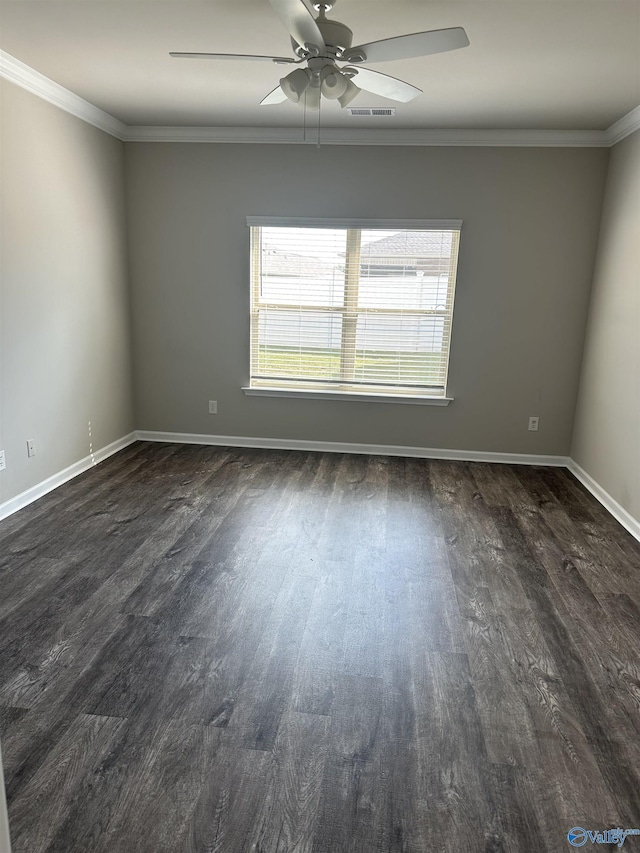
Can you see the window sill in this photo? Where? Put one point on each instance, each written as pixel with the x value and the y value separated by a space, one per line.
pixel 305 394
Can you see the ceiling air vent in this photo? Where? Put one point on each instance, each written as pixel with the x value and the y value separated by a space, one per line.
pixel 371 111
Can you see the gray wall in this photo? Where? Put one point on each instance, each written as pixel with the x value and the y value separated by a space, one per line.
pixel 531 220
pixel 64 305
pixel 606 440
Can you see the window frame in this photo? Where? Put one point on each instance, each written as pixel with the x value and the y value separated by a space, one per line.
pixel 349 312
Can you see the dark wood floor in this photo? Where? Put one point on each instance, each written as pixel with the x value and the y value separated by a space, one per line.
pixel 221 650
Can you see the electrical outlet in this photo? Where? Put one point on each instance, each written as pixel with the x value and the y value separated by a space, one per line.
pixel 533 424
pixel 213 407
pixel 31 447
pixel 3 464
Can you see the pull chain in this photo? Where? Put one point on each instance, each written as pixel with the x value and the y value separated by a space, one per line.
pixel 304 119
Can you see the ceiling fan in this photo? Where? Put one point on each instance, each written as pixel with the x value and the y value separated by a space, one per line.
pixel 320 44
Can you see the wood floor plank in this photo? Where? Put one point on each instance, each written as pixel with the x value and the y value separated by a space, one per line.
pixel 216 650
pixel 95 819
pixel 148 664
pixel 264 697
pixel 364 633
pixel 230 809
pixel 349 790
pixel 413 531
pixel 300 750
pixel 41 669
pixel 499 486
pixel 456 502
pixel 458 811
pixel 26 746
pixel 165 784
pixel 243 559
pixel 617 552
pixel 322 648
pixel 592 708
pixel 588 532
pixel 616 663
pixel 625 612
pixel 59 782
pixel 520 827
pixel 509 731
pixel 34 578
pixel 38 618
pixel 9 716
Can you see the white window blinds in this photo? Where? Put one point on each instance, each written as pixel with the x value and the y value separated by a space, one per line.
pixel 342 307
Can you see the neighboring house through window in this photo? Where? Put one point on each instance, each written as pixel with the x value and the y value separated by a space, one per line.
pixel 341 307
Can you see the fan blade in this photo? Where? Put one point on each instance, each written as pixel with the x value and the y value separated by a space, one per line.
pixel 383 84
pixel 277 96
pixel 299 22
pixel 410 46
pixel 280 60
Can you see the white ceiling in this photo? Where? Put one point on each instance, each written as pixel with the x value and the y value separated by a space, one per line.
pixel 547 64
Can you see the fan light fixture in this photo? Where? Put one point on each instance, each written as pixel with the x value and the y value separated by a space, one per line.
pixel 334 83
pixel 294 85
pixel 349 94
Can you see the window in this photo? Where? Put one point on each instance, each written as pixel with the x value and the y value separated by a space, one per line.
pixel 352 308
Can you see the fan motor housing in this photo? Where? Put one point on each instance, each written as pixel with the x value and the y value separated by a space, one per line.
pixel 337 36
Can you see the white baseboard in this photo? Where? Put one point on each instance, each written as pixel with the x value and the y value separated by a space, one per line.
pixel 617 511
pixel 611 504
pixel 51 483
pixel 340 447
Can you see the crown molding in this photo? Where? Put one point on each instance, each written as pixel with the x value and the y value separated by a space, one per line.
pixel 365 136
pixel 26 77
pixel 624 127
pixel 23 75
pixel 261 135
